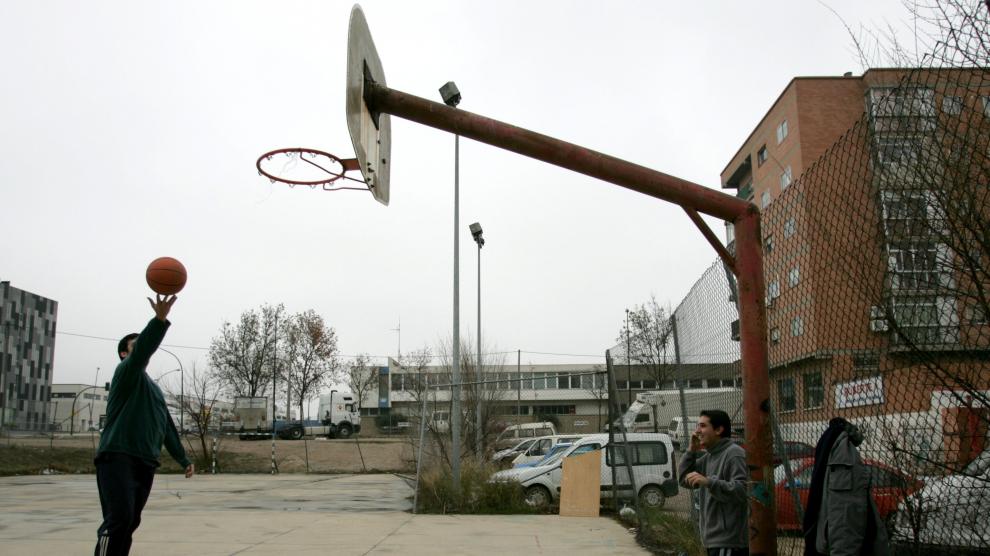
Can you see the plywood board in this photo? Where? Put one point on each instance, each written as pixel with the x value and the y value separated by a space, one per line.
pixel 580 485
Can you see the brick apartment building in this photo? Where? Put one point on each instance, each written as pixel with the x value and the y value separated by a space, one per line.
pixel 863 297
pixel 27 348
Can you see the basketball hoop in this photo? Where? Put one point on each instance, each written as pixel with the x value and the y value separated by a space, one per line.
pixel 309 167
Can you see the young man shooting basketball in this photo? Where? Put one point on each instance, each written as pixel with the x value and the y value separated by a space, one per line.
pixel 137 424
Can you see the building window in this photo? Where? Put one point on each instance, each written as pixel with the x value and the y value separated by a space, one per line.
pixel 768 244
pixel 866 364
pixel 554 409
pixel 790 227
pixel 775 335
pixel 976 314
pixel 814 390
pixel 797 326
pixel 952 105
pixel 773 290
pixel 649 385
pixel 914 265
pixel 786 393
pixel 898 151
pixel 695 383
pixel 781 131
pixel 765 199
pixel 794 276
pixel 761 156
pixel 920 320
pixel 785 178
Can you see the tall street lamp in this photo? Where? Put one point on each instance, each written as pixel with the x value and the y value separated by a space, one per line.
pixel 476 234
pixel 182 390
pixel 72 413
pixel 452 97
pixel 628 365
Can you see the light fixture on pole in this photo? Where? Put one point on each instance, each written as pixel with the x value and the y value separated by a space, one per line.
pixel 452 97
pixel 476 234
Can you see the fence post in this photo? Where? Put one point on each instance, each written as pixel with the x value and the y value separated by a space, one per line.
pixel 756 382
pixel 419 458
pixel 213 469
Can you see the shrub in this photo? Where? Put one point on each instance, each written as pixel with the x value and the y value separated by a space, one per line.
pixel 668 533
pixel 477 496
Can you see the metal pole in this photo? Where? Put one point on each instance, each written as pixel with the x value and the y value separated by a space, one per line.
pixel 519 386
pixel 554 151
pixel 419 458
pixel 628 365
pixel 756 383
pixel 478 387
pixel 274 390
pixel 455 389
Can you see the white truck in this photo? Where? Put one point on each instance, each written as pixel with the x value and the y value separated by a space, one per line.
pixel 660 410
pixel 339 418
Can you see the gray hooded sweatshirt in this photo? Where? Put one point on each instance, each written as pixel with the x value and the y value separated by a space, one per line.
pixel 724 507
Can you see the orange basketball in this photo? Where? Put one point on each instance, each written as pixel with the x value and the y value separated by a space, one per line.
pixel 166 275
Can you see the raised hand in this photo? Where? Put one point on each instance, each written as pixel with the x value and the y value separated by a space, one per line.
pixel 162 305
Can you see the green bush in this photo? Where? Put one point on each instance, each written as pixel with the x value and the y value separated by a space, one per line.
pixel 668 533
pixel 478 496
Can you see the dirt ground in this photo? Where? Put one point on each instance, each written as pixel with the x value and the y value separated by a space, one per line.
pixel 355 455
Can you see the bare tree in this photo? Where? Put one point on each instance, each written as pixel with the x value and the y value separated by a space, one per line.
pixel 360 378
pixel 482 389
pixel 649 334
pixel 310 355
pixel 597 386
pixel 202 389
pixel 243 354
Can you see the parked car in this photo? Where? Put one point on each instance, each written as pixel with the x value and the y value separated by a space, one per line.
pixel 514 433
pixel 950 514
pixel 551 456
pixel 792 450
pixel 652 463
pixel 541 447
pixel 510 454
pixel 888 486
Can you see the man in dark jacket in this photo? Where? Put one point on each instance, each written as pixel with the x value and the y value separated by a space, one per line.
pixel 720 474
pixel 137 424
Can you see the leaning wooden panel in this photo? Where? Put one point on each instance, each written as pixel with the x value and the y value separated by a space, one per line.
pixel 580 485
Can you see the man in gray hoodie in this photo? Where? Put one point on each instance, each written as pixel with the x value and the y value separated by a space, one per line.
pixel 716 466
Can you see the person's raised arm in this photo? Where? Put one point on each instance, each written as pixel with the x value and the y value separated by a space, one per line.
pixel 153 334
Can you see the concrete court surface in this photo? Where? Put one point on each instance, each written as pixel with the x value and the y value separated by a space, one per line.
pixel 283 514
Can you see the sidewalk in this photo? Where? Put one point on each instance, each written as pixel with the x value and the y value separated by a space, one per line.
pixel 284 514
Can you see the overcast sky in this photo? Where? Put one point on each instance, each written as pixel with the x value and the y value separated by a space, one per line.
pixel 129 131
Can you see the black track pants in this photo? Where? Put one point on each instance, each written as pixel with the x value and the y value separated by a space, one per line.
pixel 125 483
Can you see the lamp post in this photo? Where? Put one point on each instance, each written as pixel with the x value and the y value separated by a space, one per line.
pixel 476 234
pixel 72 413
pixel 628 365
pixel 95 382
pixel 452 97
pixel 182 390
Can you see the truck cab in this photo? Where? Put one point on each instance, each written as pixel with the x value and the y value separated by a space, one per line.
pixel 339 416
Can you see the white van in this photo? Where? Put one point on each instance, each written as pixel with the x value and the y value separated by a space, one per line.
pixel 542 446
pixel 676 430
pixel 654 470
pixel 513 434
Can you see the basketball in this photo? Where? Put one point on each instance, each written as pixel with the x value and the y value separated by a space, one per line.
pixel 166 276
